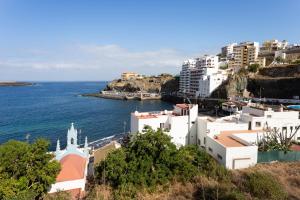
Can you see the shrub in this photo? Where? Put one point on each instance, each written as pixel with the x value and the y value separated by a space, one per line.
pixel 253 68
pixel 264 186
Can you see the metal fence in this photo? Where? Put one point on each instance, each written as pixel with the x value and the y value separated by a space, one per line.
pixel 282 156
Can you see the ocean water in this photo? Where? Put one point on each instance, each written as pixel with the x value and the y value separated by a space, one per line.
pixel 46 110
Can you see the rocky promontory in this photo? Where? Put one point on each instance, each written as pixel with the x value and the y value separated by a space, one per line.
pixel 163 83
pixel 140 87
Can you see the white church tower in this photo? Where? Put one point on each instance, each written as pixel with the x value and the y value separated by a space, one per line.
pixel 72 138
pixel 72 145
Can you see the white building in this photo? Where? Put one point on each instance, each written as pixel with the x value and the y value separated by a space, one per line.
pixel 231 140
pixel 200 76
pixel 208 83
pixel 73 161
pixel 185 76
pixel 178 123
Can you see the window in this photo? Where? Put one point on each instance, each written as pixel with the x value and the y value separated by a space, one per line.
pixel 210 149
pixel 72 140
pixel 204 140
pixel 199 142
pixel 219 156
pixel 269 116
pixel 284 129
pixel 161 125
pixel 257 124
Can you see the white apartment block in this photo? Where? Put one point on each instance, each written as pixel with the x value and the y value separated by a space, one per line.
pixel 185 76
pixel 178 123
pixel 208 83
pixel 200 74
pixel 244 54
pixel 231 140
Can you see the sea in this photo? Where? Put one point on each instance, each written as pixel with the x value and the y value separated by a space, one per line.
pixel 47 109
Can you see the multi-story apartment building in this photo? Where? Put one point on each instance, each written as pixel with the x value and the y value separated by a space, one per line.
pixel 200 74
pixel 227 51
pixel 244 54
pixel 185 76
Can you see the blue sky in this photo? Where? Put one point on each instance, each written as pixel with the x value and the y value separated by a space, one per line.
pixel 97 40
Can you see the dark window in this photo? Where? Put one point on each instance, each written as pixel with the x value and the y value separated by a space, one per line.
pixel 210 149
pixel 284 129
pixel 199 142
pixel 72 140
pixel 161 125
pixel 258 124
pixel 220 157
pixel 204 140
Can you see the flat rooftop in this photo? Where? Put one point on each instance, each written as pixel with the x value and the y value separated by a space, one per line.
pixel 226 140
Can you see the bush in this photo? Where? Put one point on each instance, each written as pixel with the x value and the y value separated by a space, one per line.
pixel 264 186
pixel 151 159
pixel 253 68
pixel 26 170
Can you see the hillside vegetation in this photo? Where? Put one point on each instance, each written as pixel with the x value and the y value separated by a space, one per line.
pixel 150 167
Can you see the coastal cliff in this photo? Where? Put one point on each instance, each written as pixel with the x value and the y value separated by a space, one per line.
pixel 270 82
pixel 276 82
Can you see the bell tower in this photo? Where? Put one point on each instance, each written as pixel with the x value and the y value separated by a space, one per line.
pixel 72 138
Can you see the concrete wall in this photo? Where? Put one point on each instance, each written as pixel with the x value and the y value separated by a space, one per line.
pixel 68 185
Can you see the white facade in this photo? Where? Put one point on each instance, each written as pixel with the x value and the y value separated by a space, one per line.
pixel 185 76
pixel 208 83
pixel 201 76
pixel 233 140
pixel 178 123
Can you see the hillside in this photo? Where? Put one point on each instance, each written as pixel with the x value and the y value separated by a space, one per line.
pixel 288 175
pixel 270 82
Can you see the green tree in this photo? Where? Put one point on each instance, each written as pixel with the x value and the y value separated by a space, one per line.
pixel 151 159
pixel 253 68
pixel 26 169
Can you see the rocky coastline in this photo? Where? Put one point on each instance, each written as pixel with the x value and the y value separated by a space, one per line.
pixel 14 84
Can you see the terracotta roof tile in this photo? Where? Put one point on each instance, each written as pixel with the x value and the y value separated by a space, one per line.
pixel 72 168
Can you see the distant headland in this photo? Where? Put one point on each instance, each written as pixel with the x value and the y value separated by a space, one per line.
pixel 14 83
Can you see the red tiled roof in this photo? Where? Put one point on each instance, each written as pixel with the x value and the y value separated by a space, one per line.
pixel 72 168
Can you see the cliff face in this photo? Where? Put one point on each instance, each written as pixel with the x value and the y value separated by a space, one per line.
pixel 270 82
pixel 276 82
pixel 234 86
pixel 163 83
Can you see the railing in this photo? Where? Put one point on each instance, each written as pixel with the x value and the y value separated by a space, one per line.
pixel 265 157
